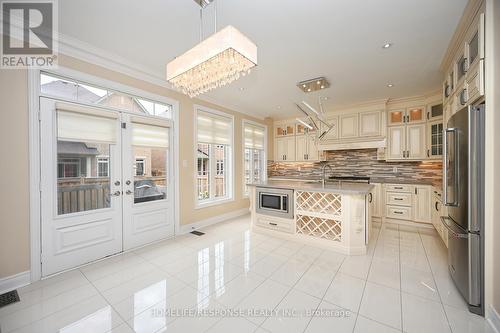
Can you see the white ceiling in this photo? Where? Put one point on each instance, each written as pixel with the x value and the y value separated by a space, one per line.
pixel 297 40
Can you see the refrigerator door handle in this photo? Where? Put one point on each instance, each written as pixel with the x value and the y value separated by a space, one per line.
pixel 456 166
pixel 445 220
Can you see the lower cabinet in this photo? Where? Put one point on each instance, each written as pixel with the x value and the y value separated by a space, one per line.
pixel 422 203
pixel 376 201
pixel 408 202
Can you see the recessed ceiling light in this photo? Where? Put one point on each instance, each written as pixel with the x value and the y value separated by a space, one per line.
pixel 309 89
pixel 304 85
pixel 278 107
pixel 387 45
pixel 318 82
pixel 390 85
pixel 322 87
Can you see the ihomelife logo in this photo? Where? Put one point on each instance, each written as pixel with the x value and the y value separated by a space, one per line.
pixel 29 34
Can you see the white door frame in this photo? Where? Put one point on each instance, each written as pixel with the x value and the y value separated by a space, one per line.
pixel 33 76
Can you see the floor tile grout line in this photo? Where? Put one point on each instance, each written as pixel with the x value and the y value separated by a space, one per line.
pixel 366 280
pixel 435 283
pixel 324 294
pixel 292 287
pixel 50 314
pixel 111 305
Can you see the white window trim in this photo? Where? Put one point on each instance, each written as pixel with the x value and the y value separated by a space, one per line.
pixel 230 159
pixel 264 171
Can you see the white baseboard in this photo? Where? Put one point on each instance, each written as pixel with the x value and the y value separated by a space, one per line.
pixel 184 229
pixel 14 281
pixel 493 319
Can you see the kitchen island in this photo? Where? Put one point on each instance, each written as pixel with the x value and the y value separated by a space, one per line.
pixel 333 215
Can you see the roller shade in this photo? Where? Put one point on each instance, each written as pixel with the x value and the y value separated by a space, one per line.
pixel 149 135
pixel 254 136
pixel 212 128
pixel 78 126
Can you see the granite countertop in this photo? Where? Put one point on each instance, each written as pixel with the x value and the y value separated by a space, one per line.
pixel 372 180
pixel 317 186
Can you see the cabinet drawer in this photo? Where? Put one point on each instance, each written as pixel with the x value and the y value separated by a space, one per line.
pixel 399 188
pixel 400 199
pixel 276 224
pixel 395 212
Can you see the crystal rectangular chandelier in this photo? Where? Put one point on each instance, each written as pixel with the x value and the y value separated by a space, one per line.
pixel 218 60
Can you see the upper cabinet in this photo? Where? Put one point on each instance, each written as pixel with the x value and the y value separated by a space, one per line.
pixel 370 123
pixel 464 82
pixel 284 129
pixel 349 126
pixel 408 132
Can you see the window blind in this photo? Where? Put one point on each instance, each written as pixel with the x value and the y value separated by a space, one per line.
pixel 213 128
pixel 82 127
pixel 254 136
pixel 149 135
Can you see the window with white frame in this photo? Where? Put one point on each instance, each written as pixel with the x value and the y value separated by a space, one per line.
pixel 214 131
pixel 254 153
pixel 103 167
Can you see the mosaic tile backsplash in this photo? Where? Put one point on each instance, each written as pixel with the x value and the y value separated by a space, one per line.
pixel 361 162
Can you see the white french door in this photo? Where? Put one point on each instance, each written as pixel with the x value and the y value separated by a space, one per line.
pixel 147 201
pixel 104 183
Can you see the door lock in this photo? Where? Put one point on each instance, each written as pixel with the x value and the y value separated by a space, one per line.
pixel 127 182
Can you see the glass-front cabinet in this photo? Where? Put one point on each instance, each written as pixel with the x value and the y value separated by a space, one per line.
pixel 284 129
pixel 415 115
pixel 396 117
pixel 435 139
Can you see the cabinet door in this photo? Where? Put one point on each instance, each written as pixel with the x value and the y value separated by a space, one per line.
pixel 290 149
pixel 280 149
pixel 396 142
pixel 312 148
pixel 415 115
pixel 396 117
pixel 376 203
pixel 333 132
pixel 422 204
pixel 435 111
pixel 415 142
pixel 370 123
pixel 348 126
pixel 435 139
pixel 301 142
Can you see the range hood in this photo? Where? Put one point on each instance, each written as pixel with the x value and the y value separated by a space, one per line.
pixel 354 144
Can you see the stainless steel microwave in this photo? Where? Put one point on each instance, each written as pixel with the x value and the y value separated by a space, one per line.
pixel 275 202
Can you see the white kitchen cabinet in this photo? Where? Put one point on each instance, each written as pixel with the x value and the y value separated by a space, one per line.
pixel 306 148
pixel 422 204
pixel 435 139
pixel 396 143
pixel 349 126
pixel 396 117
pixel 370 123
pixel 333 133
pixel 376 201
pixel 284 149
pixel 284 129
pixel 415 142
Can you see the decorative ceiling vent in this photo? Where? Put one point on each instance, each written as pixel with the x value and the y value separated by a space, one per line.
pixel 318 83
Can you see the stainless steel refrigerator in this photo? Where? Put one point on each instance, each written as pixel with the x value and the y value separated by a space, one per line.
pixel 463 193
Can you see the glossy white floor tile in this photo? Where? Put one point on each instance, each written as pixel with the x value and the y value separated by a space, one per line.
pixel 235 280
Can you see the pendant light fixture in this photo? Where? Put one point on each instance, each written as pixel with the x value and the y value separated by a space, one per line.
pixel 216 61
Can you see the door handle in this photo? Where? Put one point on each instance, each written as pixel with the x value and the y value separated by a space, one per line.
pixel 117 183
pixel 116 194
pixel 128 192
pixel 128 182
pixel 450 229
